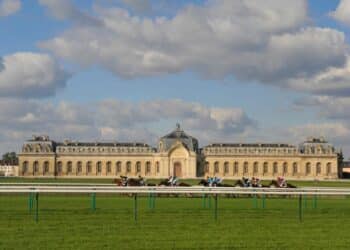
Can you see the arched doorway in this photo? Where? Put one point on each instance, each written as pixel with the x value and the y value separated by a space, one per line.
pixel 177 169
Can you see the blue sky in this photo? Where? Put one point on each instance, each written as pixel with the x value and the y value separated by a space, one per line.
pixel 238 102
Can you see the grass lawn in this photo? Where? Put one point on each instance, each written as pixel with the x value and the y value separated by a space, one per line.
pixel 67 222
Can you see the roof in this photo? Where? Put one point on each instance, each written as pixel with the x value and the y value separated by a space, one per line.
pixel 261 145
pixel 178 134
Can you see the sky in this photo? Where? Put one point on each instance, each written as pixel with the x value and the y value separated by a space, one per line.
pixel 129 70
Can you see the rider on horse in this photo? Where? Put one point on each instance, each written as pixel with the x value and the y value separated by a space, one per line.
pixel 172 181
pixel 124 180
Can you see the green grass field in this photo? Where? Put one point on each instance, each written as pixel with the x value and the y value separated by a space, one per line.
pixel 67 222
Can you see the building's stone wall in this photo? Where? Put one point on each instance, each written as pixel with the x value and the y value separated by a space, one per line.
pixel 314 159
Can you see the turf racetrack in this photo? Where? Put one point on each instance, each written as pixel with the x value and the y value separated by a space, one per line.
pixel 67 222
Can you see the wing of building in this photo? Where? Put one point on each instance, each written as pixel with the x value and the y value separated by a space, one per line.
pixel 178 154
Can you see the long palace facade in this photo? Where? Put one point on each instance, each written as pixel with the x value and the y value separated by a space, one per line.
pixel 178 154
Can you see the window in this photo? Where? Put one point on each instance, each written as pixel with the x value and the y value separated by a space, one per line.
pixel 206 167
pixel 99 167
pixel 255 167
pixel 295 168
pixel 318 168
pixel 148 167
pixel 245 168
pixel 308 168
pixel 79 167
pixel 119 167
pixel 157 167
pixel 25 167
pixel 36 167
pixel 59 167
pixel 226 167
pixel 128 167
pixel 138 167
pixel 266 168
pixel 109 166
pixel 89 167
pixel 275 168
pixel 235 167
pixel 329 168
pixel 69 167
pixel 216 167
pixel 285 168
pixel 46 167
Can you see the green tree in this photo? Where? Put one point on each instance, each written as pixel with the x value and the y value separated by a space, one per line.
pixel 10 158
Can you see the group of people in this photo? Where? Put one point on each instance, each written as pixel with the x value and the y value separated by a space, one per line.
pixel 172 180
pixel 281 182
pixel 213 181
pixel 254 182
pixel 125 180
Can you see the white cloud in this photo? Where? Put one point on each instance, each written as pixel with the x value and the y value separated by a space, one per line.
pixel 9 7
pixel 139 6
pixel 342 13
pixel 64 9
pixel 264 41
pixel 116 120
pixel 26 74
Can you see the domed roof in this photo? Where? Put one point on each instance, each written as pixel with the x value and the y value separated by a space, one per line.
pixel 167 141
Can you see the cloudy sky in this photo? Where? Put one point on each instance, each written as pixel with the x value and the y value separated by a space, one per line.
pixel 128 70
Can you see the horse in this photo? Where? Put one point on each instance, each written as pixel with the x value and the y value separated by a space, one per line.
pixel 166 183
pixel 205 183
pixel 274 184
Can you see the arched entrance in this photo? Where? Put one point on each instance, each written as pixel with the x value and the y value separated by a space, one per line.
pixel 177 169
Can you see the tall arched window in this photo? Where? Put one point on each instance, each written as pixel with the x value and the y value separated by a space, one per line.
pixel 157 167
pixel 318 168
pixel 235 167
pixel 216 167
pixel 245 168
pixel 36 167
pixel 148 167
pixel 265 168
pixel 89 167
pixel 275 168
pixel 118 167
pixel 25 167
pixel 255 167
pixel 138 167
pixel 99 167
pixel 59 167
pixel 308 168
pixel 226 168
pixel 128 167
pixel 206 167
pixel 285 168
pixel 79 167
pixel 69 167
pixel 109 166
pixel 329 168
pixel 46 167
pixel 295 168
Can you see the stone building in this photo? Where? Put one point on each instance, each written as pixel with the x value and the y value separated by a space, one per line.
pixel 177 154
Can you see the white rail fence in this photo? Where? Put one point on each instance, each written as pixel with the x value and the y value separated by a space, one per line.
pixel 205 192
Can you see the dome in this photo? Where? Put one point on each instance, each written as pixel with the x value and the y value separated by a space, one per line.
pixel 167 141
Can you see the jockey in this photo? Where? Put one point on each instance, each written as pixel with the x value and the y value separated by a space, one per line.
pixel 210 181
pixel 142 181
pixel 170 180
pixel 217 180
pixel 174 181
pixel 258 182
pixel 124 180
